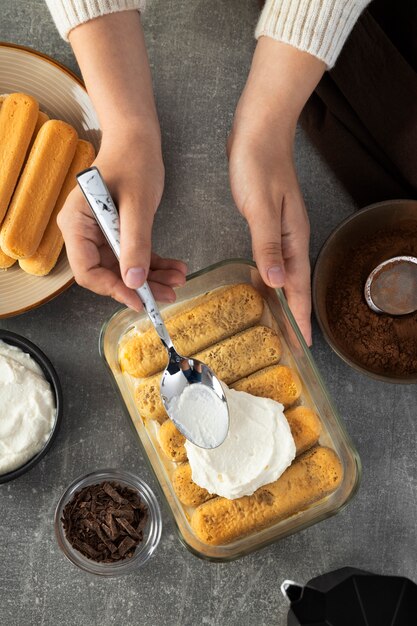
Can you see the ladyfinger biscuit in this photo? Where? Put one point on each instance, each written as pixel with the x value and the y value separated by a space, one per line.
pixel 305 428
pixel 280 383
pixel 5 261
pixel 172 442
pixel 46 256
pixel 38 189
pixel 231 359
pixel 308 479
pixel 223 313
pixel 187 491
pixel 42 119
pixel 18 116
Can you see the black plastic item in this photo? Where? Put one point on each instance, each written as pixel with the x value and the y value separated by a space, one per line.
pixel 352 597
pixel 52 377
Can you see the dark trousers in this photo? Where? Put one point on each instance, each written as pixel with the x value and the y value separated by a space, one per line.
pixel 363 114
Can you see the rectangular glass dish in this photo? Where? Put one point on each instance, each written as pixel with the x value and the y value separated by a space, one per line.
pixel 295 353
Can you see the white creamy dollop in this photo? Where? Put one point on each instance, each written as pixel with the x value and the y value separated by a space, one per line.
pixel 257 450
pixel 200 414
pixel 27 408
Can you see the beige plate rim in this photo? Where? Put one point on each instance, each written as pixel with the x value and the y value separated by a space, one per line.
pixel 45 57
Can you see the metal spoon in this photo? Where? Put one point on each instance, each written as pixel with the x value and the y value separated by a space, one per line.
pixel 392 286
pixel 180 371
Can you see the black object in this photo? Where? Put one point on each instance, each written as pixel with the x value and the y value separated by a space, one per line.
pixel 352 597
pixel 52 377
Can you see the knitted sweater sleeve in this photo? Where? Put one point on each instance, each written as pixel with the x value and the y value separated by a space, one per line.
pixel 319 27
pixel 68 14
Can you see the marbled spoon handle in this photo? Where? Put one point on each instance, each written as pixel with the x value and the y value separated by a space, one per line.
pixel 104 210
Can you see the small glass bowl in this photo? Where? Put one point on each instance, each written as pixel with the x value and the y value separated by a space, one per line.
pixel 151 532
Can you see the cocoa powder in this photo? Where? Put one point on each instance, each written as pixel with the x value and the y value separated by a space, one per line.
pixel 382 343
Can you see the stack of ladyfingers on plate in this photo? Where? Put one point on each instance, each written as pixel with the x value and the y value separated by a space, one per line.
pixel 224 331
pixel 39 158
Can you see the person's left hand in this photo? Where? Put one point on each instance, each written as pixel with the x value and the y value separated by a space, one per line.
pixel 265 188
pixel 262 173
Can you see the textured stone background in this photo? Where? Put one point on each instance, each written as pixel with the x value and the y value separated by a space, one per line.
pixel 200 52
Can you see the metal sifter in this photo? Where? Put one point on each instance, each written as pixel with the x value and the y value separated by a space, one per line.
pixel 391 287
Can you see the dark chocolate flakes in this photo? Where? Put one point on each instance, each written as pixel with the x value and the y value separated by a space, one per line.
pixel 105 522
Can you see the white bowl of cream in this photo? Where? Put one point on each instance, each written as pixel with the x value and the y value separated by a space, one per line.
pixel 30 405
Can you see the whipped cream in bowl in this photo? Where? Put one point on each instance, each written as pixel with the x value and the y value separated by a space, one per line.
pixel 30 405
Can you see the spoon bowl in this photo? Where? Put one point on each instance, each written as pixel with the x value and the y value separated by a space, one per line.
pixel 392 286
pixel 192 395
pixel 181 373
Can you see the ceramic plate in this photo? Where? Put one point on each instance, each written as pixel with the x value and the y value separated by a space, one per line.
pixel 61 95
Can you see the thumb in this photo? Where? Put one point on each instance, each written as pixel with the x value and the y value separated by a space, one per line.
pixel 135 243
pixel 265 231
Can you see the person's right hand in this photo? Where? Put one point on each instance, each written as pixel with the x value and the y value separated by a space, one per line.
pixel 112 56
pixel 134 173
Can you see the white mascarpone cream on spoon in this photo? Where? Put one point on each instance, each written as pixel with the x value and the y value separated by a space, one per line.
pixel 27 408
pixel 257 450
pixel 202 415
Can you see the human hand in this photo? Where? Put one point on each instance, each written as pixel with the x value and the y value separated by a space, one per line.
pixel 134 172
pixel 112 56
pixel 265 189
pixel 262 174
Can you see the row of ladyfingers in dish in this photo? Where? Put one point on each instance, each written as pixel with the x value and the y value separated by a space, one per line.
pixel 248 361
pixel 39 159
pixel 236 361
pixel 311 477
pixel 305 429
pixel 315 473
pixel 216 332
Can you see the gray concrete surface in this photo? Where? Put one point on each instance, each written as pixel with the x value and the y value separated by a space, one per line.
pixel 200 52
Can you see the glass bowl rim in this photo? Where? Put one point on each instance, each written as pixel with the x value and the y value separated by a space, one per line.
pixel 151 538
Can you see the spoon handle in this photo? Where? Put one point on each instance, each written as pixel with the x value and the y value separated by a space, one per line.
pixel 104 210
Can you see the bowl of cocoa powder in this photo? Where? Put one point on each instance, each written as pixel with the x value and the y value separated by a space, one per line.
pixel 379 345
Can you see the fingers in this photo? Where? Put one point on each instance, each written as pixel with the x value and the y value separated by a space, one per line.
pixel 161 263
pixel 280 249
pixel 162 293
pixel 84 245
pixel 172 278
pixel 164 275
pixel 82 237
pixel 137 263
pixel 106 283
pixel 135 241
pixel 298 292
pixel 265 228
pixel 296 235
pixel 96 268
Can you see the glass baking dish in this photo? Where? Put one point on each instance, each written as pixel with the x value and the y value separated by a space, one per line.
pixel 295 353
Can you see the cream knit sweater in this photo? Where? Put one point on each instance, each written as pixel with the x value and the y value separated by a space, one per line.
pixel 319 27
